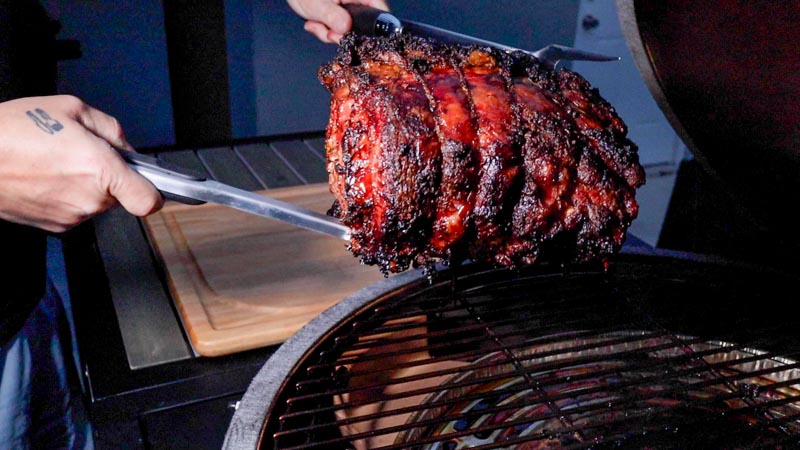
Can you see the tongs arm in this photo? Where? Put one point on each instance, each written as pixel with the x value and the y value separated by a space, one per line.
pixel 374 22
pixel 185 186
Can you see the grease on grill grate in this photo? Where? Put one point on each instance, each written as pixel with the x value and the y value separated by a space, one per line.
pixel 492 367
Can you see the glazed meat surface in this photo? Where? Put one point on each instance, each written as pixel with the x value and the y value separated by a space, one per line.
pixel 440 152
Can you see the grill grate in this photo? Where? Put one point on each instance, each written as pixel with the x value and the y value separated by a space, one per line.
pixel 653 353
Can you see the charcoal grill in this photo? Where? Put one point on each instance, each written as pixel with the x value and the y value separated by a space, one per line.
pixel 659 350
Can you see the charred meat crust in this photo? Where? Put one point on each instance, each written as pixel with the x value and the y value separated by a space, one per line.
pixel 438 71
pixel 440 152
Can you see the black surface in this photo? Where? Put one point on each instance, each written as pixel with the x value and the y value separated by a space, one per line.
pixel 123 435
pixel 310 166
pixel 317 144
pixel 184 158
pixel 704 217
pixel 225 167
pixel 23 275
pixel 27 68
pixel 727 75
pixel 267 166
pixel 198 63
pixel 202 425
pixel 27 50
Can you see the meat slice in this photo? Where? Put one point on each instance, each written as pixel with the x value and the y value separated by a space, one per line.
pixel 444 83
pixel 440 152
pixel 341 108
pixel 391 154
pixel 580 169
pixel 601 126
pixel 549 164
pixel 498 155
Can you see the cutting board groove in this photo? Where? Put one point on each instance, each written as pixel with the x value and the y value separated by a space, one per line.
pixel 241 281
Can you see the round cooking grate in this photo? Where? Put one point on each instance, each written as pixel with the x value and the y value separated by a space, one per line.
pixel 657 353
pixel 602 394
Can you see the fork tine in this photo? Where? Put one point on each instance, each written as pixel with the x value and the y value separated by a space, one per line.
pixel 554 53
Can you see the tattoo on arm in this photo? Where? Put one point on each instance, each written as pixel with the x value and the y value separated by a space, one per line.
pixel 44 121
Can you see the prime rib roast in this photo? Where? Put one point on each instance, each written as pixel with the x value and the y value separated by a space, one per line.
pixel 444 153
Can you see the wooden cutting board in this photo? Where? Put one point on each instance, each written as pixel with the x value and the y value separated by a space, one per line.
pixel 241 281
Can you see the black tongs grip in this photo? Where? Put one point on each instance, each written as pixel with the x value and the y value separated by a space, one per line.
pixel 373 22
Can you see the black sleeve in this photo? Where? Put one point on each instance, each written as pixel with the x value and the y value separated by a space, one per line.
pixel 27 68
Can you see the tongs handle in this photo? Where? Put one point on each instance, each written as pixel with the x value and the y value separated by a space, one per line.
pixel 186 186
pixel 371 21
pixel 148 166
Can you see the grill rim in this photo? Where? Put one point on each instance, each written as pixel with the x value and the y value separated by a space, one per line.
pixel 248 425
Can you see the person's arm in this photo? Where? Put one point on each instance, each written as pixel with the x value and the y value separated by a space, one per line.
pixel 326 19
pixel 58 167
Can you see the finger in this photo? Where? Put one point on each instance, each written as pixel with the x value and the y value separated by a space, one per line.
pixel 377 4
pixel 134 192
pixel 329 14
pixel 334 37
pixel 103 126
pixel 320 31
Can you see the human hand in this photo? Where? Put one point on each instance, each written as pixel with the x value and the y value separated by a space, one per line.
pixel 58 167
pixel 326 19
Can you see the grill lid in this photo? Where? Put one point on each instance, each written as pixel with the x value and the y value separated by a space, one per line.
pixel 727 76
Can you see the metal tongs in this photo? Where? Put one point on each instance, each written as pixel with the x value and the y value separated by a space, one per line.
pixel 186 186
pixel 374 22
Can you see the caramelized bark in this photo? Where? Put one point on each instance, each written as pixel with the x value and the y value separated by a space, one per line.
pixel 395 158
pixel 341 107
pixel 498 155
pixel 549 155
pixel 602 127
pixel 445 152
pixel 456 129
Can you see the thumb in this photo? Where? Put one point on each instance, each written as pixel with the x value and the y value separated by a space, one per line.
pixel 134 192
